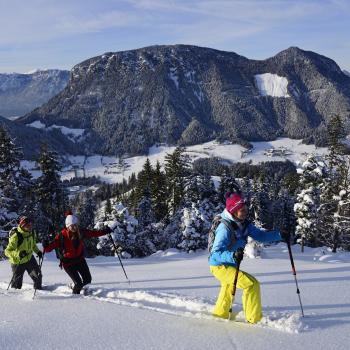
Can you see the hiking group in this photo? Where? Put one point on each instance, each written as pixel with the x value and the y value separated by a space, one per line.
pixel 69 245
pixel 226 241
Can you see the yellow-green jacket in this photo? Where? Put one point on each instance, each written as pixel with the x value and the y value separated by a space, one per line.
pixel 28 245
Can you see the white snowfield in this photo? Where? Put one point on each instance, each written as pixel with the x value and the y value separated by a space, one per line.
pixel 168 305
pixel 272 85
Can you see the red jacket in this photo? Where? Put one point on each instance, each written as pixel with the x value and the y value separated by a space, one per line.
pixel 71 250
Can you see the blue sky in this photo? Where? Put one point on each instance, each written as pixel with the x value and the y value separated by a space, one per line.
pixel 61 33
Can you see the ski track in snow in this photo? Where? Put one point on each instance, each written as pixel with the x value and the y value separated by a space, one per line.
pixel 167 303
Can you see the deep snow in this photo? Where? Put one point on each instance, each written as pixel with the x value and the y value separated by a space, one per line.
pixel 168 304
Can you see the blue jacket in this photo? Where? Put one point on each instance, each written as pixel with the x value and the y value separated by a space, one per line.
pixel 222 251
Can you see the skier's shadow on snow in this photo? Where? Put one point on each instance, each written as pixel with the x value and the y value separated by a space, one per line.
pixel 302 280
pixel 299 272
pixel 159 280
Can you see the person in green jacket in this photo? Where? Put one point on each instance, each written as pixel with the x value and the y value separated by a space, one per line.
pixel 22 244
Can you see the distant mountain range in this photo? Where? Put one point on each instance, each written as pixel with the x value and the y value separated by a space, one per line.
pixel 21 93
pixel 124 102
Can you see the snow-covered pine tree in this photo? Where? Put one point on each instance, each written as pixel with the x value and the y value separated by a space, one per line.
pixel 15 186
pixel 108 209
pixel 144 181
pixel 192 229
pixel 124 233
pixel 198 212
pixel 10 157
pixel 51 197
pixel 283 212
pixel 260 204
pixel 308 201
pixel 335 187
pixel 342 219
pixel 85 210
pixel 159 194
pixel 176 169
pixel 145 232
pixel 228 184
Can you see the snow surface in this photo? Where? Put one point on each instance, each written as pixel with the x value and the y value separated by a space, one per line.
pixel 169 300
pixel 272 85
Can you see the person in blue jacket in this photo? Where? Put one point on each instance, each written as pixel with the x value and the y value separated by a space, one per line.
pixel 230 235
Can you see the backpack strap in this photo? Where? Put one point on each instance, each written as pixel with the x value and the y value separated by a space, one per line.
pixel 20 237
pixel 232 226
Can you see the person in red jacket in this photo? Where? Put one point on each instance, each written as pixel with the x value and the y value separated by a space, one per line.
pixel 70 245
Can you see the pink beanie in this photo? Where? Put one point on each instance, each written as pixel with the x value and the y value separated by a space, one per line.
pixel 234 202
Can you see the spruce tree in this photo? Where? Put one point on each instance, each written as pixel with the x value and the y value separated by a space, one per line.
pixel 176 169
pixel 10 179
pixel 334 187
pixel 228 184
pixel 15 187
pixel 260 204
pixel 159 194
pixel 51 197
pixel 308 202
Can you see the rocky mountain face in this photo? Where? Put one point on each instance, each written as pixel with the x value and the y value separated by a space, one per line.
pixel 21 93
pixel 128 101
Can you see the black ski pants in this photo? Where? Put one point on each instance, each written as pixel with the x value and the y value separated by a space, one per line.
pixel 33 270
pixel 80 275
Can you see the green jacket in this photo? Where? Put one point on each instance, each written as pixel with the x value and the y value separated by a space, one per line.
pixel 28 245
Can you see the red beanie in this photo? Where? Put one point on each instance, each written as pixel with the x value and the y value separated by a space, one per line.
pixel 23 220
pixel 234 202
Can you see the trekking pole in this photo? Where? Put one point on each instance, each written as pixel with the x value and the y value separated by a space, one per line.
pixel 295 274
pixel 116 251
pixel 238 257
pixel 40 265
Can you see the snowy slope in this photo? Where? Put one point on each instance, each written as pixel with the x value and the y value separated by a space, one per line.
pixel 167 305
pixel 272 85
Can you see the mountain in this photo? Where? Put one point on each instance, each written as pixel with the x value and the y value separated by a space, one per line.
pixel 30 139
pixel 127 101
pixel 21 93
pixel 346 72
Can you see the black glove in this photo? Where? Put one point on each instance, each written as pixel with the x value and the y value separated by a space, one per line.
pixel 107 229
pixel 285 235
pixel 39 254
pixel 118 249
pixel 22 254
pixel 238 255
pixel 45 243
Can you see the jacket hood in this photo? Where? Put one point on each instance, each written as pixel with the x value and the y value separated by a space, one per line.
pixel 24 232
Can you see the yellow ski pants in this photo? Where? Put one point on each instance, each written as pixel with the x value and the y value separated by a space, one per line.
pixel 251 293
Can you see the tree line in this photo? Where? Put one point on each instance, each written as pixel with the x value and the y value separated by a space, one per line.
pixel 171 205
